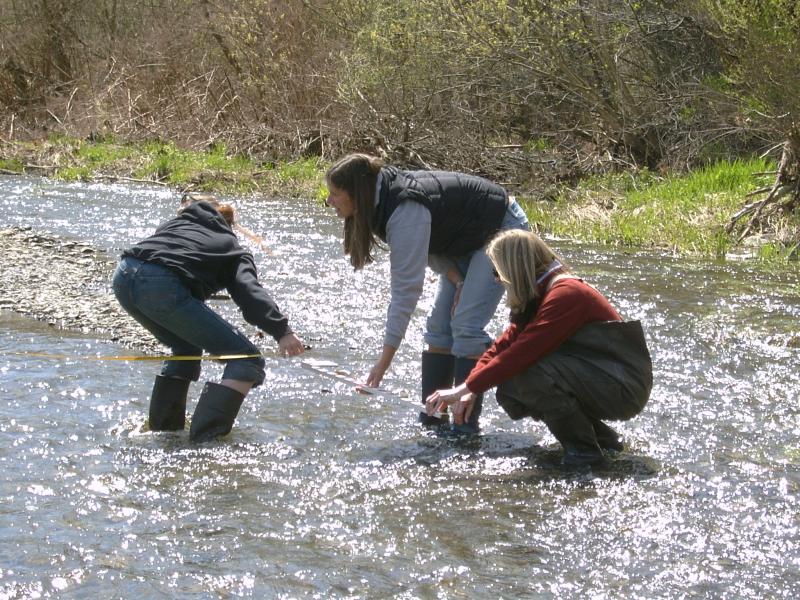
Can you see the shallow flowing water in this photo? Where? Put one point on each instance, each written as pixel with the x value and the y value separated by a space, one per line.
pixel 320 492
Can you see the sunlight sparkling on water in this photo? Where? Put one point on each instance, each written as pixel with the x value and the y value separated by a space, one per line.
pixel 320 492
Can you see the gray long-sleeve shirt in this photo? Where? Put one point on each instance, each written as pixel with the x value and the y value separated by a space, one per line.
pixel 408 234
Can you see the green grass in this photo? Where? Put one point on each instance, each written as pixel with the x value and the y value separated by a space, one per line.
pixel 686 214
pixel 11 164
pixel 218 170
pixel 74 174
pixel 214 169
pixel 85 159
pixel 104 153
pixel 305 175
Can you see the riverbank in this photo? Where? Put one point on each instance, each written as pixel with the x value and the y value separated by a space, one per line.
pixel 686 214
pixel 65 283
pixel 163 163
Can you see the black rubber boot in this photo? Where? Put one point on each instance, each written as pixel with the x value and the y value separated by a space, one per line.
pixel 437 374
pixel 576 434
pixel 168 404
pixel 463 368
pixel 215 412
pixel 607 436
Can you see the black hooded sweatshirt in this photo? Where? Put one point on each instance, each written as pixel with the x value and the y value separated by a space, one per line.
pixel 204 251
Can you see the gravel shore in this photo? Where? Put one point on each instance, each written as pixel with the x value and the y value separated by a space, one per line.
pixel 65 283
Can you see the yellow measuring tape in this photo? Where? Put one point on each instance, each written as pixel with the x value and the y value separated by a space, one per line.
pixel 94 357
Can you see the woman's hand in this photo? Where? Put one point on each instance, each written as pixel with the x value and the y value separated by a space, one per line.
pixel 290 345
pixel 376 375
pixel 460 398
pixel 379 370
pixel 463 408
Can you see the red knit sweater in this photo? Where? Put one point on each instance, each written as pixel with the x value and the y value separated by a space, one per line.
pixel 566 307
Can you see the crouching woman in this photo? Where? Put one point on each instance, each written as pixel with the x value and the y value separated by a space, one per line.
pixel 567 359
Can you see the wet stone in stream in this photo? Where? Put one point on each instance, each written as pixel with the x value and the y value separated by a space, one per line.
pixel 66 284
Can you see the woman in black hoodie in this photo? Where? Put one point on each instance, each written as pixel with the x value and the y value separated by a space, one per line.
pixel 163 283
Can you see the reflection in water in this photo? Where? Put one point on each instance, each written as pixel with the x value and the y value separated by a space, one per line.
pixel 319 492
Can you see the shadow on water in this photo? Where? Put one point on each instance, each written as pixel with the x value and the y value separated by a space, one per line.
pixel 534 461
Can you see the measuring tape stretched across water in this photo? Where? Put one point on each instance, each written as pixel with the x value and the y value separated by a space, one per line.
pixel 123 358
pixel 324 367
pixel 331 369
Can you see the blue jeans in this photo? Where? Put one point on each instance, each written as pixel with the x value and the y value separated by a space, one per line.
pixel 465 332
pixel 161 302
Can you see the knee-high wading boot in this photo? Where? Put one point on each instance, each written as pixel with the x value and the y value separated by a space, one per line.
pixel 168 404
pixel 463 367
pixel 607 437
pixel 215 412
pixel 576 435
pixel 437 374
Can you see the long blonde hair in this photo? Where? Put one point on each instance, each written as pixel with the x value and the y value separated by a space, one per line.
pixel 520 258
pixel 357 175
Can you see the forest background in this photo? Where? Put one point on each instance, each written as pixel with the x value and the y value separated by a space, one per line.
pixel 617 120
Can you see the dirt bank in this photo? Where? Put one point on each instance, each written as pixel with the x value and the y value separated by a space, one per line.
pixel 65 283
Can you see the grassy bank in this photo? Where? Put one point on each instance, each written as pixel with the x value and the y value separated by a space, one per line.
pixel 213 170
pixel 684 214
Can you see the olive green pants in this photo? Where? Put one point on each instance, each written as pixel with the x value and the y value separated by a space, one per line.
pixel 603 371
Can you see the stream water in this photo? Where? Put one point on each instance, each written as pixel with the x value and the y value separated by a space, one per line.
pixel 320 492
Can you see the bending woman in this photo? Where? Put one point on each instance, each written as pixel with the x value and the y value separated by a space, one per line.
pixel 567 358
pixel 163 282
pixel 427 218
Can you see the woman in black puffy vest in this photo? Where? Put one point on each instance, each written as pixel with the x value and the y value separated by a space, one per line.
pixel 437 219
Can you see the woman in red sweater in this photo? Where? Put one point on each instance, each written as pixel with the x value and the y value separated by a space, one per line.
pixel 567 359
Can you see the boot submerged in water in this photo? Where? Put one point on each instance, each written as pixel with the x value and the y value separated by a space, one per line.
pixel 463 367
pixel 437 374
pixel 168 404
pixel 215 412
pixel 607 436
pixel 576 435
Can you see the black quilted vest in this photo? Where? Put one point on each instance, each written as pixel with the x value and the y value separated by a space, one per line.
pixel 466 211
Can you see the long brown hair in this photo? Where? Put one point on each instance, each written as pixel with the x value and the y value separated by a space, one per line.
pixel 520 257
pixel 357 174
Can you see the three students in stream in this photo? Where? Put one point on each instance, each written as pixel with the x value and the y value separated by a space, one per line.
pixel 567 359
pixel 163 283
